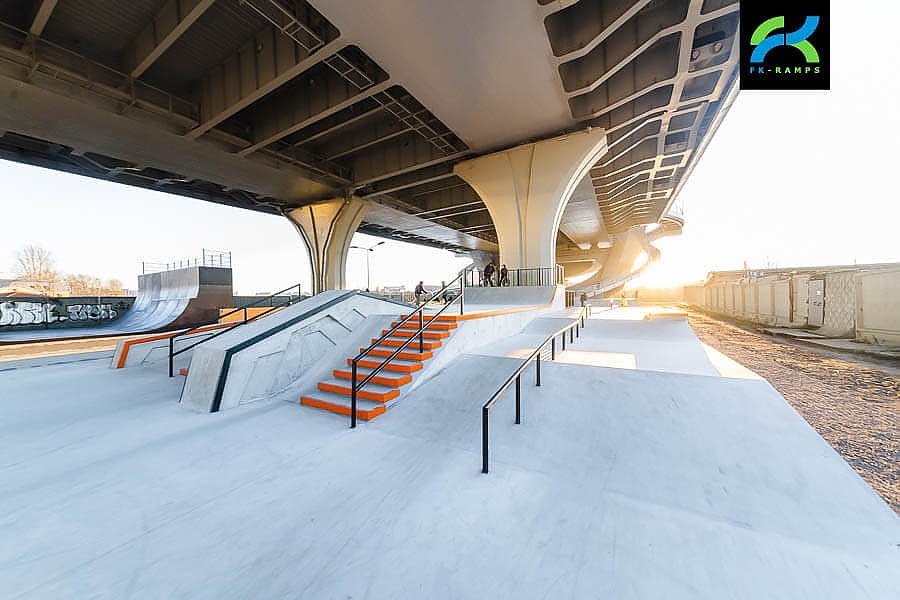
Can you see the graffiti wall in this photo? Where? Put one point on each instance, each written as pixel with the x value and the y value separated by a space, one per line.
pixel 60 312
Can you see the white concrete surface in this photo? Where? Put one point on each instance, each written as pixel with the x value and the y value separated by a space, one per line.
pixel 620 483
pixel 289 358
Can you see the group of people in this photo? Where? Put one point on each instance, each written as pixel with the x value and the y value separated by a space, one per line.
pixel 488 275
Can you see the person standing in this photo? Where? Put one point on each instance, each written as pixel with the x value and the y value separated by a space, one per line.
pixel 504 275
pixel 420 293
pixel 489 275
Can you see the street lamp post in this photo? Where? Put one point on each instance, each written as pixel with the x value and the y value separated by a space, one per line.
pixel 368 250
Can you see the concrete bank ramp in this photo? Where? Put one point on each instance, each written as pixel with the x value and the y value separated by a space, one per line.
pixel 512 296
pixel 267 357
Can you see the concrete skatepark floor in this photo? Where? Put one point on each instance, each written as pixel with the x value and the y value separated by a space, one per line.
pixel 660 480
pixel 851 401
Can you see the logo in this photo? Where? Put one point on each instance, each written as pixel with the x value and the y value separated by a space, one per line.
pixel 787 51
pixel 798 39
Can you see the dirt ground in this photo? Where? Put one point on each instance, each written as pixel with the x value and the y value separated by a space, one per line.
pixel 851 400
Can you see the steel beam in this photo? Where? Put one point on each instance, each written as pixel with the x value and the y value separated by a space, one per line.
pixel 172 20
pixel 263 65
pixel 291 114
pixel 43 10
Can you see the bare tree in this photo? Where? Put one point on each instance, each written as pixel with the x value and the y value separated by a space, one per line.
pixel 34 262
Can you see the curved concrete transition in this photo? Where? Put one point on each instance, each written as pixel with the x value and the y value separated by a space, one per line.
pixel 166 300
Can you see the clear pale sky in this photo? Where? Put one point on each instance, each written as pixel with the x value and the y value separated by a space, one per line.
pixel 789 179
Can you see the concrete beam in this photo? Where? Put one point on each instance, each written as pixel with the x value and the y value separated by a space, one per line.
pixel 42 12
pixel 526 190
pixel 264 64
pixel 31 110
pixel 289 113
pixel 326 229
pixel 172 20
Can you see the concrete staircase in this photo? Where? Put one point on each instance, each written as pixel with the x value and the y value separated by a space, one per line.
pixel 384 389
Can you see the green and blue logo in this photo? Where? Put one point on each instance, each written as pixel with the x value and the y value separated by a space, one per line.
pixel 764 39
pixel 791 51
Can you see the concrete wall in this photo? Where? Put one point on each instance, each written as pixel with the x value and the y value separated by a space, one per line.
pixel 292 349
pixel 878 306
pixel 862 303
pixel 54 313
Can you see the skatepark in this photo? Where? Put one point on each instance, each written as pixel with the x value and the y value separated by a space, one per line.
pixel 525 429
pixel 645 465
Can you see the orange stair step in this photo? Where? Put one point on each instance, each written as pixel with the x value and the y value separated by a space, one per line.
pixel 406 354
pixel 365 393
pixel 438 319
pixel 364 414
pixel 413 345
pixel 428 335
pixel 183 372
pixel 380 379
pixel 391 366
pixel 436 325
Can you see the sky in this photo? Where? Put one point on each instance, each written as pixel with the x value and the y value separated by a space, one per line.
pixel 789 179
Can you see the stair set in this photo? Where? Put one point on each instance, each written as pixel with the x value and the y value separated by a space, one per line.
pixel 384 389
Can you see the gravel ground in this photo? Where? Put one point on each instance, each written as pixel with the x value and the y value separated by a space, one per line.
pixel 852 401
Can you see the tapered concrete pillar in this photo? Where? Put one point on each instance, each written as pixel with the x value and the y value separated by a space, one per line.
pixel 526 189
pixel 326 229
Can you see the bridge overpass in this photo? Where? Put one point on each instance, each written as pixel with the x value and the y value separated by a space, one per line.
pixel 527 131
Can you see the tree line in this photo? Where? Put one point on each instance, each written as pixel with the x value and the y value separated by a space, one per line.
pixel 35 267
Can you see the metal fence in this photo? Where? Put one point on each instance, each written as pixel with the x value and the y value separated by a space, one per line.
pixel 534 276
pixel 209 258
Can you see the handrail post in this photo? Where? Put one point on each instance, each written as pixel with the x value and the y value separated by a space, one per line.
pixel 564 339
pixel 484 439
pixel 538 372
pixel 421 329
pixel 462 292
pixel 571 337
pixel 353 394
pixel 553 348
pixel 577 330
pixel 518 400
pixel 171 356
pixel 245 314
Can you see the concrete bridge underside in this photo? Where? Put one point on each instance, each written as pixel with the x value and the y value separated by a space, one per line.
pixel 532 130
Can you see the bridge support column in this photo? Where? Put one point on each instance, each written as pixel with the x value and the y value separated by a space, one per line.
pixel 526 190
pixel 326 229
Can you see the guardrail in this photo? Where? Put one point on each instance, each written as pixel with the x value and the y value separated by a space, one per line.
pixel 534 276
pixel 574 331
pixel 420 331
pixel 247 319
pixel 209 258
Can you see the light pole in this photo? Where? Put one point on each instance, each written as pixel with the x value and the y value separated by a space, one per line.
pixel 368 250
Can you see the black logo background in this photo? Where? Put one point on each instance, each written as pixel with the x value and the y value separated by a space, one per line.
pixel 754 12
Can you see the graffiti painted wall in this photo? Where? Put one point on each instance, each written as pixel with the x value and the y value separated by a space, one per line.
pixel 26 313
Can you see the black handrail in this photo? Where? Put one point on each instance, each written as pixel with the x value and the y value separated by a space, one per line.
pixel 354 364
pixel 534 356
pixel 173 353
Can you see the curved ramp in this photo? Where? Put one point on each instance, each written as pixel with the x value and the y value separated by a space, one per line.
pixel 166 300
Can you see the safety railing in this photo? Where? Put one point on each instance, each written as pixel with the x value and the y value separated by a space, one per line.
pixel 534 276
pixel 209 258
pixel 574 331
pixel 283 301
pixel 356 386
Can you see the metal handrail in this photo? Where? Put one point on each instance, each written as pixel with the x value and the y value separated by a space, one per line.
pixel 196 328
pixel 573 329
pixel 355 386
pixel 519 277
